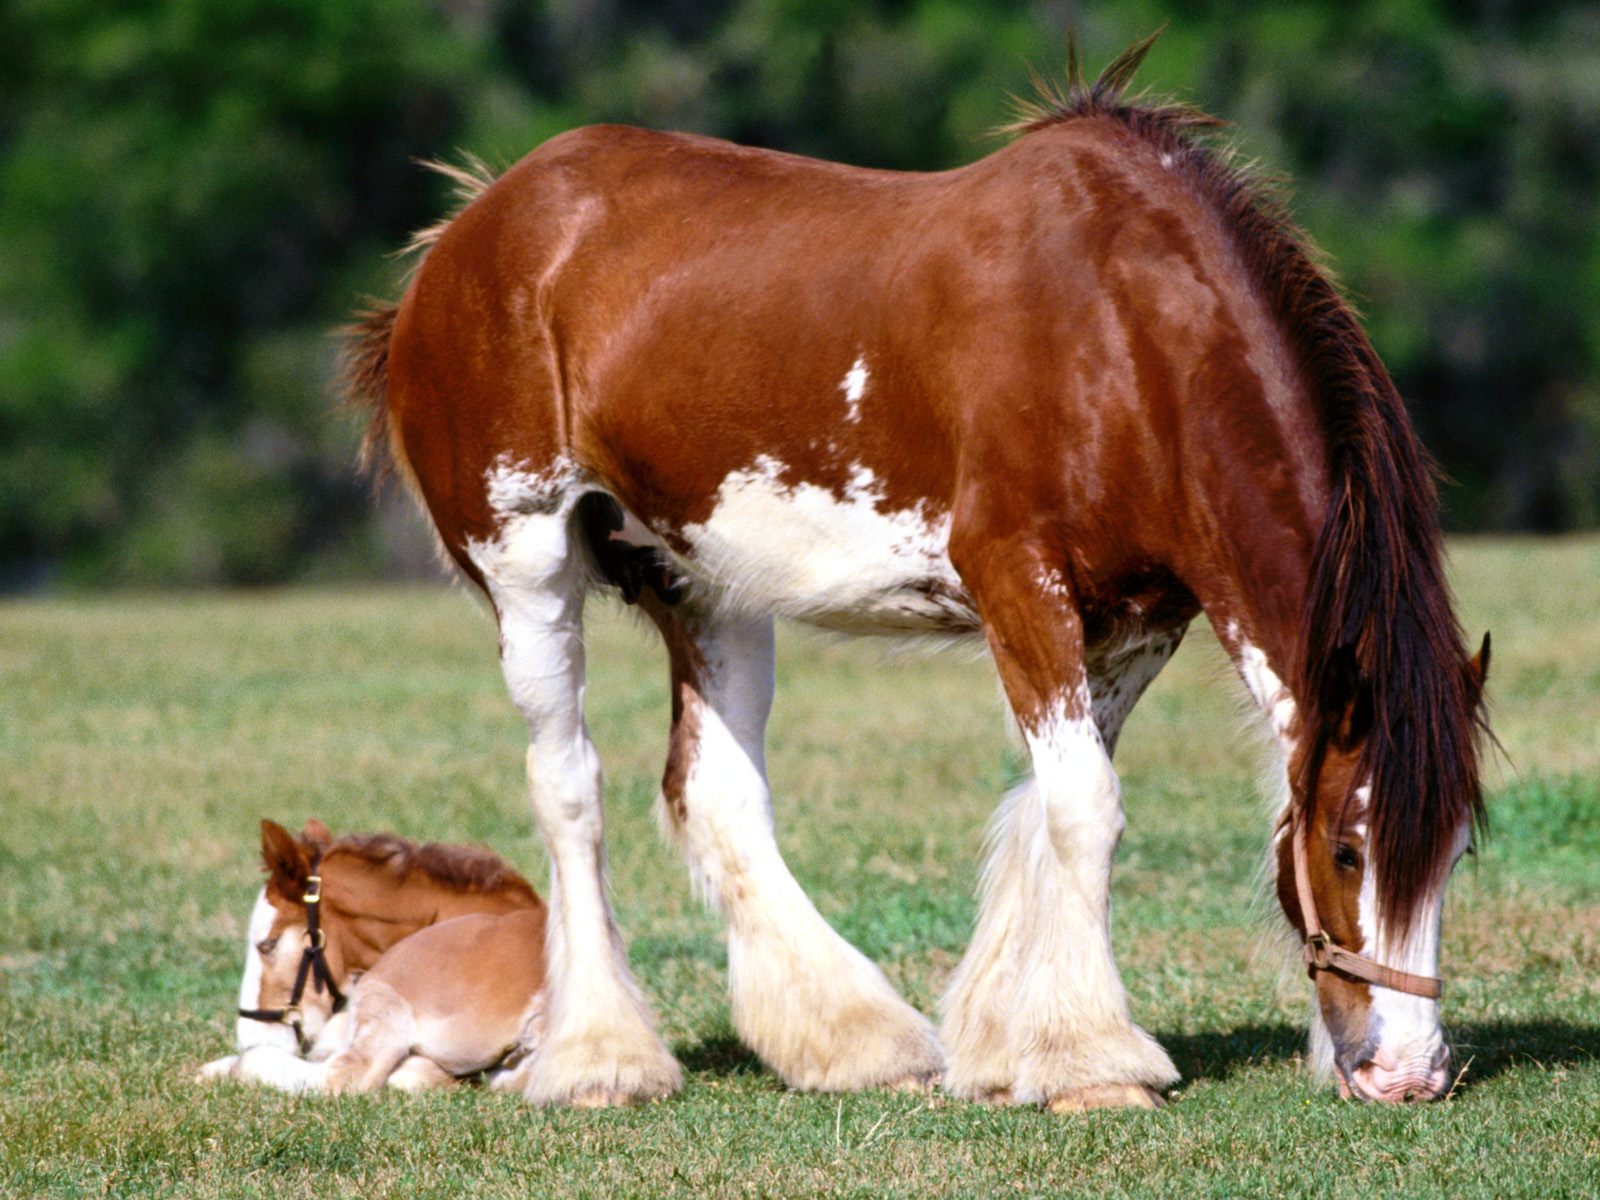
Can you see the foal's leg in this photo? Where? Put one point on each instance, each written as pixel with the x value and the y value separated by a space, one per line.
pixel 601 1046
pixel 1036 1012
pixel 382 1029
pixel 417 1074
pixel 811 1005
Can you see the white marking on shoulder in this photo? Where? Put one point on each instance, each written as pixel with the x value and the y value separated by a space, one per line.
pixel 839 560
pixel 854 386
pixel 1052 584
pixel 1271 695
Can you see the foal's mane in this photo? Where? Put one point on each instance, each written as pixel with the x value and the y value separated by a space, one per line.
pixel 1381 662
pixel 457 868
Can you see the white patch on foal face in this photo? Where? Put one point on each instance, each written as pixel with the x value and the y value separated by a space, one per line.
pixel 837 560
pixel 250 1033
pixel 854 386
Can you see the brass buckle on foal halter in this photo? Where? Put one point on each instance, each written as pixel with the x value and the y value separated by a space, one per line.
pixel 313 966
pixel 1322 953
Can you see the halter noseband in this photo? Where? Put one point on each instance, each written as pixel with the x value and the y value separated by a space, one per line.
pixel 313 965
pixel 1322 953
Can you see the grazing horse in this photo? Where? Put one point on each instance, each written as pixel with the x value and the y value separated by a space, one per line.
pixel 441 949
pixel 1067 397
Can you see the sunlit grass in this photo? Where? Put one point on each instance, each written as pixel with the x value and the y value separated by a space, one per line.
pixel 142 738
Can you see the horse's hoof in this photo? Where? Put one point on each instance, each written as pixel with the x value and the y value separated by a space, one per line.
pixel 603 1098
pixel 916 1084
pixel 1106 1095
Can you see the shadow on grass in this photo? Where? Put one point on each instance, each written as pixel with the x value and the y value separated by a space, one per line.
pixel 1216 1056
pixel 721 1054
pixel 1492 1048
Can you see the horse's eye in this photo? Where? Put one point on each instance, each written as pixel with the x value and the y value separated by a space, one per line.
pixel 1346 858
pixel 266 946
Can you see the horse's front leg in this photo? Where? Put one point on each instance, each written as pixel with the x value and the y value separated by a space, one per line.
pixel 815 1009
pixel 1036 1012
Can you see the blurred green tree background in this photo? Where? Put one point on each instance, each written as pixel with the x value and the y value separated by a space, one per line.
pixel 193 192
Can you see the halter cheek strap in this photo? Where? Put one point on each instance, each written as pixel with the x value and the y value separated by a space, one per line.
pixel 313 966
pixel 1323 954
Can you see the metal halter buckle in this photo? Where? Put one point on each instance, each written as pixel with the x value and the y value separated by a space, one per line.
pixel 1317 955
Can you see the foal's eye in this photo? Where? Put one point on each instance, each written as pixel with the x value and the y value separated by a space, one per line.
pixel 266 946
pixel 1346 858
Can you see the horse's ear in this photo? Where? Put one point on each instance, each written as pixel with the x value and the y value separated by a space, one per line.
pixel 1478 671
pixel 316 834
pixel 283 857
pixel 1346 708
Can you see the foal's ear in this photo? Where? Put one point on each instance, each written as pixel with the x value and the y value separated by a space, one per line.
pixel 1478 671
pixel 284 857
pixel 316 834
pixel 1346 706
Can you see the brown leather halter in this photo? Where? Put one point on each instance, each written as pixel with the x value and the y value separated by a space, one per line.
pixel 313 965
pixel 1323 954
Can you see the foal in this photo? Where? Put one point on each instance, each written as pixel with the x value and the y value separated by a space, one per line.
pixel 440 947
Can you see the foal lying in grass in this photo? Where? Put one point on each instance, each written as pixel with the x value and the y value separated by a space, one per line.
pixel 440 949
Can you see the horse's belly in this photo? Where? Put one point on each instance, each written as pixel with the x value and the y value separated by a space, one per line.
pixel 842 559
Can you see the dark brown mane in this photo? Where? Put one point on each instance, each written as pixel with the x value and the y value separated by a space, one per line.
pixel 458 868
pixel 1381 660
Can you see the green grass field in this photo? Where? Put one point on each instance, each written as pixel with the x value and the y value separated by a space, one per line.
pixel 142 738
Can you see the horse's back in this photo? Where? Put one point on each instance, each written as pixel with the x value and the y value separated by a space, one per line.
pixel 788 368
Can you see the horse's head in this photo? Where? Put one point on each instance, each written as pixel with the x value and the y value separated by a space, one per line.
pixel 278 939
pixel 1372 868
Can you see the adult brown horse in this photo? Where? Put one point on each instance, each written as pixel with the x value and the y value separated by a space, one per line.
pixel 1069 397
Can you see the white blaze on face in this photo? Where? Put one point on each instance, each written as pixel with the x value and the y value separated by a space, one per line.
pixel 842 560
pixel 854 386
pixel 258 1033
pixel 1405 1027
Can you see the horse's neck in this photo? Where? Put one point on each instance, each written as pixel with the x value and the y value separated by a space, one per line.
pixel 1254 578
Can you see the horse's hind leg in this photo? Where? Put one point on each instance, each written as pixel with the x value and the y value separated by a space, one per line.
pixel 1036 1012
pixel 600 1046
pixel 812 1006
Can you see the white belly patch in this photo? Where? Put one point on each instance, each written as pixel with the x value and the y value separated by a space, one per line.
pixel 841 561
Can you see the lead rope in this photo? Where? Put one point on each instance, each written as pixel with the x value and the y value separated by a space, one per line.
pixel 1323 954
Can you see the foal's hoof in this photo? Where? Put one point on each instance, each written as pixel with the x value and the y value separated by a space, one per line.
pixel 1106 1095
pixel 221 1068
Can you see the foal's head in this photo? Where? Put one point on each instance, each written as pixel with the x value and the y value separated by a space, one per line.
pixel 278 936
pixel 1379 836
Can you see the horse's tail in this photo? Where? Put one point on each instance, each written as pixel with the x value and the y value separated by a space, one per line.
pixel 364 382
pixel 364 363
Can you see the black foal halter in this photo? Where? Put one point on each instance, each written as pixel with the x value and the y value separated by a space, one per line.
pixel 313 966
